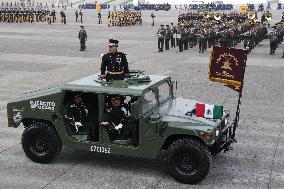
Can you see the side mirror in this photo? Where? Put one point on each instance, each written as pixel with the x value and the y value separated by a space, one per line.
pixel 135 109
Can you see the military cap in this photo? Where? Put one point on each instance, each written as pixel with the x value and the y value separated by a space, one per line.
pixel 113 42
pixel 77 95
pixel 162 25
pixel 81 26
pixel 167 25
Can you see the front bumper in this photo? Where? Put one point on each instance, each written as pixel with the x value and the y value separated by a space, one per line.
pixel 225 139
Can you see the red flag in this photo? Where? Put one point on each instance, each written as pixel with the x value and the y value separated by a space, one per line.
pixel 227 65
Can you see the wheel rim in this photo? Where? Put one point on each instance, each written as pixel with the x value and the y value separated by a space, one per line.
pixel 39 144
pixel 186 163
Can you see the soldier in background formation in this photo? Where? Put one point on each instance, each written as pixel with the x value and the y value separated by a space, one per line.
pixel 82 36
pixel 224 29
pixel 276 37
pixel 99 18
pixel 153 19
pixel 125 18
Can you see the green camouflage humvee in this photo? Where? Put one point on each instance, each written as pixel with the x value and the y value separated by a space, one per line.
pixel 167 127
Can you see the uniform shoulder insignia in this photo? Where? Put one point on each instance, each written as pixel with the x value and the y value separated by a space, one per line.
pixel 109 110
pixel 103 54
pixel 125 53
pixel 73 105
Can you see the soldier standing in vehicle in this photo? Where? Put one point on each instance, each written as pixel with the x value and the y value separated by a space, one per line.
pixel 115 63
pixel 161 36
pixel 83 38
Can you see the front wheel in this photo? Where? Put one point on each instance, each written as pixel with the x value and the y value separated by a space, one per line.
pixel 41 142
pixel 188 160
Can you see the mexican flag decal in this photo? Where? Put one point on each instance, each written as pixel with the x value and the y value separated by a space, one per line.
pixel 209 111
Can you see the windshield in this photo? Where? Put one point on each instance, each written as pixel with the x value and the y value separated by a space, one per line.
pixel 156 96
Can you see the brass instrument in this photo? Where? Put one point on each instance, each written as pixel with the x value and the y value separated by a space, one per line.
pixel 268 16
pixel 206 15
pixel 251 15
pixel 217 16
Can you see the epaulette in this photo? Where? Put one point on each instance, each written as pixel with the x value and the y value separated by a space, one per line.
pixel 125 53
pixel 103 54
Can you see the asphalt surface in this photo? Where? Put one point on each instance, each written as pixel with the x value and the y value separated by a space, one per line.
pixel 34 56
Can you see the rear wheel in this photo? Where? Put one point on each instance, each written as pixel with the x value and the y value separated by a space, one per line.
pixel 41 142
pixel 188 160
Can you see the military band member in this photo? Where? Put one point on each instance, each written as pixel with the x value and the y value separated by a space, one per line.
pixel 161 36
pixel 173 35
pixel 167 37
pixel 115 63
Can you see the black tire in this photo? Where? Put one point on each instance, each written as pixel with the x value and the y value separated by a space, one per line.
pixel 41 142
pixel 188 160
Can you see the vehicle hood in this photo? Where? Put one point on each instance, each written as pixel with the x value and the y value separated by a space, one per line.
pixel 176 111
pixel 37 93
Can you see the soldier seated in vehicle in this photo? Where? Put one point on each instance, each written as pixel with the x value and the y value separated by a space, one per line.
pixel 77 115
pixel 118 123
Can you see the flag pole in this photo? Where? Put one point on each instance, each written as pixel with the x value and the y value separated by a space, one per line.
pixel 236 121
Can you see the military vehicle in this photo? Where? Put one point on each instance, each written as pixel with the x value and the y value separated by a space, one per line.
pixel 168 128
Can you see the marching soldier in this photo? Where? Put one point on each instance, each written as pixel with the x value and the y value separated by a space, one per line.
pixel 115 63
pixel 161 36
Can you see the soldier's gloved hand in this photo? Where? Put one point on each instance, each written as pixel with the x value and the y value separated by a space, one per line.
pixel 119 126
pixel 104 123
pixel 103 77
pixel 123 109
pixel 78 124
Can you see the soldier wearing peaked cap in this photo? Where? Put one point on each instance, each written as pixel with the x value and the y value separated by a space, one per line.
pixel 82 36
pixel 114 64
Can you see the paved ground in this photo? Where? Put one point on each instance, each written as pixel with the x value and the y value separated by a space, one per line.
pixel 34 56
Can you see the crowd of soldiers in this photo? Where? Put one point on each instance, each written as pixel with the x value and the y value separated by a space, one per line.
pixel 19 15
pixel 206 29
pixel 124 18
